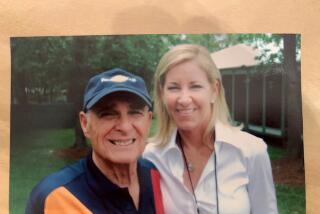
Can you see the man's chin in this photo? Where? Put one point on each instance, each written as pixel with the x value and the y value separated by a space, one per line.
pixel 128 159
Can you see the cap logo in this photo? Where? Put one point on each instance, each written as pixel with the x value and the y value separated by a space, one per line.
pixel 118 78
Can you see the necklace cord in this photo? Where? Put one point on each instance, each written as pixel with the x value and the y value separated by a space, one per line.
pixel 216 179
pixel 189 176
pixel 178 139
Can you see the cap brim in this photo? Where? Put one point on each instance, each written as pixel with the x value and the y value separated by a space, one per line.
pixel 106 92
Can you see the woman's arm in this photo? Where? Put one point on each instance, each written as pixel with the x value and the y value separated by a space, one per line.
pixel 261 187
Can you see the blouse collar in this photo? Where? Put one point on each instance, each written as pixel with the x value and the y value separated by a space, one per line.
pixel 223 134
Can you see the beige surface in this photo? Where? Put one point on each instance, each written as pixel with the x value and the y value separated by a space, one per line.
pixel 74 17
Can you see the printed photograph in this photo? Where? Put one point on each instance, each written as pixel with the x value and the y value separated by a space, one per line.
pixel 170 123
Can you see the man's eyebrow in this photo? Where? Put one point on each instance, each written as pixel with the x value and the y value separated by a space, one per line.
pixel 105 107
pixel 136 106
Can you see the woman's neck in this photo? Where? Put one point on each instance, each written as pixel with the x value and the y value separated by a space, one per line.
pixel 191 138
pixel 194 139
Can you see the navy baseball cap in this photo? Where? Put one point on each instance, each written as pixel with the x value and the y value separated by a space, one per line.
pixel 111 81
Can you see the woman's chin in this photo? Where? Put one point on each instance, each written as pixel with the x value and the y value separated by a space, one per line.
pixel 186 127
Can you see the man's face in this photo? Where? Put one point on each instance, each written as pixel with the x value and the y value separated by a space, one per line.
pixel 117 128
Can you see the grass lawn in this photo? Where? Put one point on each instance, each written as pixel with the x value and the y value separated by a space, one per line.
pixel 291 200
pixel 275 153
pixel 32 158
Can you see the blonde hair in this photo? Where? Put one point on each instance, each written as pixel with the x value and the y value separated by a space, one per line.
pixel 180 54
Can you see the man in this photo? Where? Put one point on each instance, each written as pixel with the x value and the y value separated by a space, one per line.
pixel 116 118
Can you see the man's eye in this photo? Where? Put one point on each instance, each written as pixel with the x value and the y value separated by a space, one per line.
pixel 106 114
pixel 136 112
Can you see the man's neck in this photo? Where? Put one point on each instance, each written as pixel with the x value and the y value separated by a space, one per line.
pixel 123 175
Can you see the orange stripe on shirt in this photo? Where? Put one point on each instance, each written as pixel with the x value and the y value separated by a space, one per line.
pixel 62 201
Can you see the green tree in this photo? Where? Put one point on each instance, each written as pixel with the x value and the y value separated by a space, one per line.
pixel 48 68
pixel 38 65
pixel 76 85
pixel 294 113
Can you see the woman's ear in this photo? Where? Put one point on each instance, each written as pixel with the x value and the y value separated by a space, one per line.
pixel 84 122
pixel 160 91
pixel 216 90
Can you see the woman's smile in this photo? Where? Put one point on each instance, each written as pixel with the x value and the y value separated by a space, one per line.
pixel 185 111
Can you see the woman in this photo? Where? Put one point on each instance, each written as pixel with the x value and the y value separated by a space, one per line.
pixel 207 165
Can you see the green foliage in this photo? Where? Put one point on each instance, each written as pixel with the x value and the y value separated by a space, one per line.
pixel 260 41
pixel 38 67
pixel 291 200
pixel 153 128
pixel 32 158
pixel 47 66
pixel 46 69
pixel 276 153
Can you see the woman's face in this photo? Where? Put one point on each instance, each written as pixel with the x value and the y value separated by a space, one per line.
pixel 187 95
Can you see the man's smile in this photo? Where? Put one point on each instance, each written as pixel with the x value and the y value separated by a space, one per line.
pixel 123 142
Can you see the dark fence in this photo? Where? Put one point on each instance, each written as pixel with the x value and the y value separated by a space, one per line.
pixel 256 97
pixel 24 117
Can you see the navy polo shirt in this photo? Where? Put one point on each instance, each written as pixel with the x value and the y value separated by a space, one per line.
pixel 82 188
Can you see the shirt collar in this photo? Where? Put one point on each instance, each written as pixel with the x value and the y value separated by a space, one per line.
pixel 223 134
pixel 104 188
pixel 172 145
pixel 97 180
pixel 226 134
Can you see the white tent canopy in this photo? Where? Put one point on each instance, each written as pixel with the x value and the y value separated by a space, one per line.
pixel 236 56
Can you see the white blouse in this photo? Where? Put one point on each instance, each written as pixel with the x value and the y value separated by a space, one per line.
pixel 244 176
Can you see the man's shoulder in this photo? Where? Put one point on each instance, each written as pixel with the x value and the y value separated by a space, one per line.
pixel 146 163
pixel 54 181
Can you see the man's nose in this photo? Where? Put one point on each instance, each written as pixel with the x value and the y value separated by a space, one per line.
pixel 124 124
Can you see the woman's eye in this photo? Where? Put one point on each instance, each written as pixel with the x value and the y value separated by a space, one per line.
pixel 172 88
pixel 196 86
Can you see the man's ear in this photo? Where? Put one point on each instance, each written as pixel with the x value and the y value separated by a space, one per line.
pixel 148 123
pixel 84 124
pixel 150 115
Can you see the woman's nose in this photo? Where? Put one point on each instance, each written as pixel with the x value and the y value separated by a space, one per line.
pixel 184 98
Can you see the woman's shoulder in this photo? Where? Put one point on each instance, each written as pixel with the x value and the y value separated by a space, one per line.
pixel 152 148
pixel 155 153
pixel 159 145
pixel 249 138
pixel 249 144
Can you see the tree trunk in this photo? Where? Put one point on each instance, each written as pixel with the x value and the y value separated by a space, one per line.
pixel 19 88
pixel 80 140
pixel 294 113
pixel 75 90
